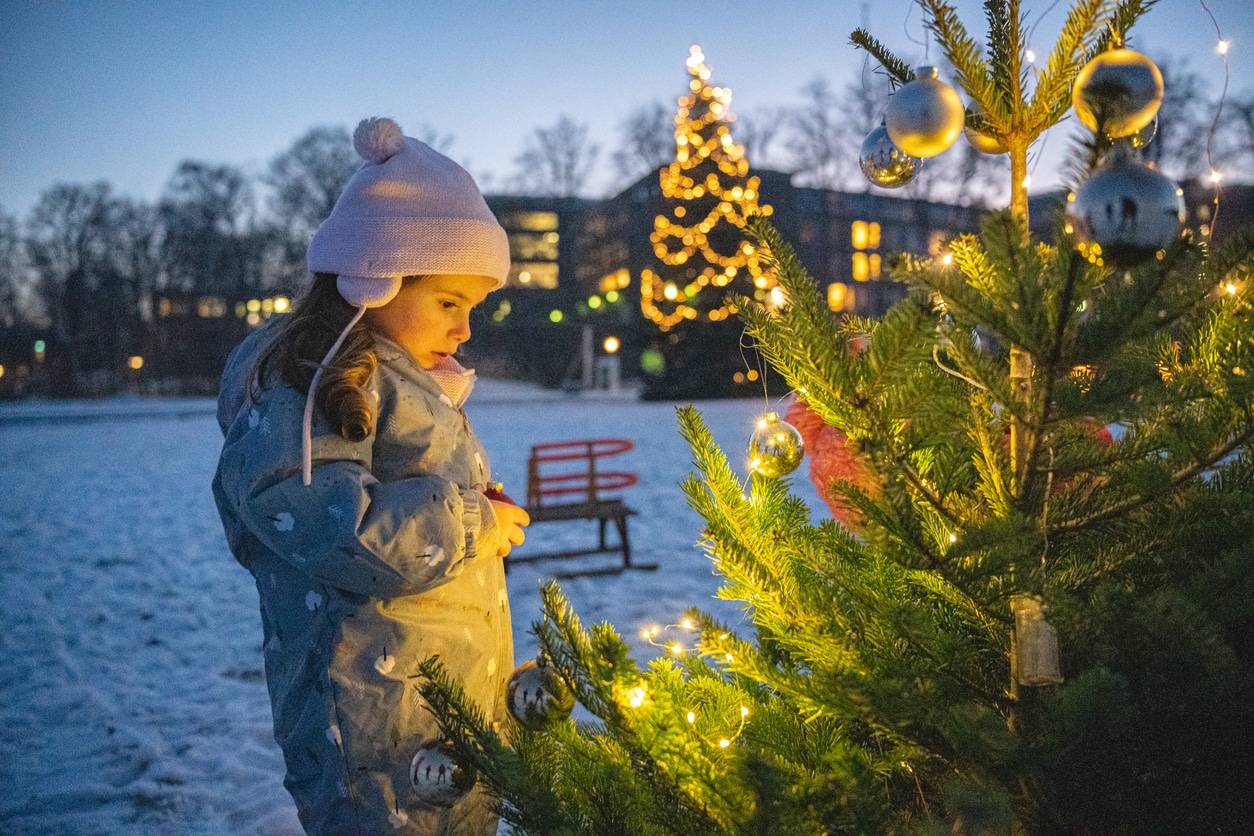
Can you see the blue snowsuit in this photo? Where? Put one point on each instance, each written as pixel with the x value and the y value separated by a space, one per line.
pixel 386 558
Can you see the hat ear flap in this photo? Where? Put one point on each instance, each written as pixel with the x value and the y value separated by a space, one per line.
pixel 368 291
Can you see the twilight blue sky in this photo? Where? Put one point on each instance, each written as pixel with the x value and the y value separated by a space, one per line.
pixel 123 91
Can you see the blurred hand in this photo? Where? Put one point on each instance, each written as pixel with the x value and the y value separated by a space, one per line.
pixel 511 519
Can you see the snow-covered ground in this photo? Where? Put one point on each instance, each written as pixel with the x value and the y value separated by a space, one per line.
pixel 131 692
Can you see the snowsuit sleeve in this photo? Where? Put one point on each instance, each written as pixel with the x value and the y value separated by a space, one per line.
pixel 347 528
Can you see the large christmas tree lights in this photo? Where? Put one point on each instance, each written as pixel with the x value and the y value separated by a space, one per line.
pixel 708 195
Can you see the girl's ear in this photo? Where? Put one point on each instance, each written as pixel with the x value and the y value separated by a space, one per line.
pixel 368 291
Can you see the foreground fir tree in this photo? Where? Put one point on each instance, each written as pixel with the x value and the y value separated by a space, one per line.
pixel 898 678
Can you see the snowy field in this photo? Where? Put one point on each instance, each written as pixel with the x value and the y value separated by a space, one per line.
pixel 131 693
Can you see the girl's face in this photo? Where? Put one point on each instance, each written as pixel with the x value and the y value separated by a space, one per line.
pixel 430 317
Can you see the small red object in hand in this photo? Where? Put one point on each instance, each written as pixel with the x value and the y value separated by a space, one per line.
pixel 493 492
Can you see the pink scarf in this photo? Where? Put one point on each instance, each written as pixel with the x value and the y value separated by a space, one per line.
pixel 455 381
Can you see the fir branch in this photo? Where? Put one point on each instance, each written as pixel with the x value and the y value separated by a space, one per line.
pixel 898 71
pixel 986 368
pixel 1018 266
pixel 1124 16
pixel 806 347
pixel 590 664
pixel 1152 299
pixel 523 801
pixel 964 54
pixel 1176 479
pixel 976 292
pixel 993 461
pixel 1236 256
pixel 1003 62
pixel 1072 50
pixel 991 628
pixel 1060 315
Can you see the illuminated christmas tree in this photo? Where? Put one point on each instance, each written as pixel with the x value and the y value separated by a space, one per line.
pixel 701 249
pixel 1037 613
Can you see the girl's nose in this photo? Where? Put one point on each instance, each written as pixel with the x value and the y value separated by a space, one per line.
pixel 461 331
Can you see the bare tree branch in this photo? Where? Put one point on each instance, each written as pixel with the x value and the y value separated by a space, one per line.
pixel 556 160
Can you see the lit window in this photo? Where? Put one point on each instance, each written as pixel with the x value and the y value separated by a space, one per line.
pixel 875 265
pixel 530 221
pixel 860 235
pixel 839 296
pixel 861 267
pixel 533 246
pixel 873 234
pixel 212 306
pixel 536 274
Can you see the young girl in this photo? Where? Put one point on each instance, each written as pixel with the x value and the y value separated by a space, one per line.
pixel 352 487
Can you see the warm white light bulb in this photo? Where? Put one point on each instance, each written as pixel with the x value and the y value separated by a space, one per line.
pixel 1215 176
pixel 1222 49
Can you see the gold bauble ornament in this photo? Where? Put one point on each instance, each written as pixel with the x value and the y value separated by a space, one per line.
pixel 775 448
pixel 885 165
pixel 1119 90
pixel 924 117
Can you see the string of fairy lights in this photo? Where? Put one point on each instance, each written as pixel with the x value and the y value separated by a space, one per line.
pixel 709 169
pixel 638 696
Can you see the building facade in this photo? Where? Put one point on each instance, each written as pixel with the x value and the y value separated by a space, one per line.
pixel 591 255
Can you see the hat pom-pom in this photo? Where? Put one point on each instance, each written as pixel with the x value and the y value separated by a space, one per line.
pixel 377 139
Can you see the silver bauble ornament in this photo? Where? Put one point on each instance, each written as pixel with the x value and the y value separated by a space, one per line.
pixel 924 117
pixel 1120 90
pixel 437 779
pixel 885 165
pixel 536 696
pixel 1127 208
pixel 775 448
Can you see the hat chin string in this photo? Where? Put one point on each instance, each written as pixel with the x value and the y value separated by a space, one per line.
pixel 364 292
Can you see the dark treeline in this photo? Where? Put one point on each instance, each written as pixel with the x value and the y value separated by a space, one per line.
pixel 101 293
pixel 85 277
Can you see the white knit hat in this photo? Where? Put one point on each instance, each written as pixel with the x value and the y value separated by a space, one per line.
pixel 408 211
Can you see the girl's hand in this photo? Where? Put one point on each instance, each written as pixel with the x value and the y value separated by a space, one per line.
pixel 511 520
